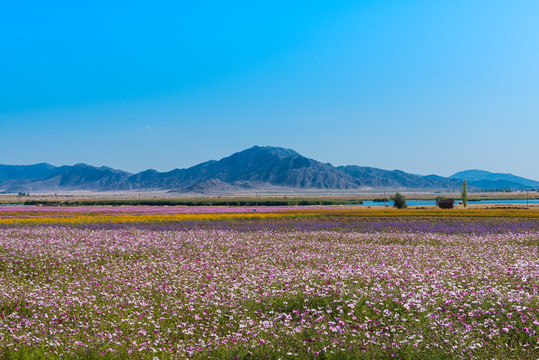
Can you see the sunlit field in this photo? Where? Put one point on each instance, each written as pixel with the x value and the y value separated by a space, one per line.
pixel 268 283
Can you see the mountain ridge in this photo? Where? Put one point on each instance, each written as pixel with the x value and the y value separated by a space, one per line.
pixel 253 168
pixel 494 180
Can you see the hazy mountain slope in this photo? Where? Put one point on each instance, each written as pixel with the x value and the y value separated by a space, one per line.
pixel 36 171
pixel 373 177
pixel 76 177
pixel 488 179
pixel 498 184
pixel 90 177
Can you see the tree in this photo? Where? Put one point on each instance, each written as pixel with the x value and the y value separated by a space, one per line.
pixel 464 193
pixel 399 201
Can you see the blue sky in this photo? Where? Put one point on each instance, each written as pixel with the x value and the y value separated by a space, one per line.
pixel 421 86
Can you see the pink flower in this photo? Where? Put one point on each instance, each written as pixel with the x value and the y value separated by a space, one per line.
pixel 266 324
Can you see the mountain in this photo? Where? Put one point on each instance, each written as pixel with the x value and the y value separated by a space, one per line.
pixel 36 171
pixel 254 168
pixel 257 167
pixel 76 177
pixel 488 180
pixel 262 165
pixel 497 184
pixel 373 177
pixel 82 176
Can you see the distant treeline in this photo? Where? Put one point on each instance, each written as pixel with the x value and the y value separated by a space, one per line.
pixel 195 202
pixel 503 190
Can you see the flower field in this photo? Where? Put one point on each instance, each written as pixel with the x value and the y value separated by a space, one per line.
pixel 222 283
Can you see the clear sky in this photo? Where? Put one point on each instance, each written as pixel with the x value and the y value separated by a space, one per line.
pixel 418 85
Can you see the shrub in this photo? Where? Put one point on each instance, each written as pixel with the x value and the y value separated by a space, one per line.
pixel 439 199
pixel 399 201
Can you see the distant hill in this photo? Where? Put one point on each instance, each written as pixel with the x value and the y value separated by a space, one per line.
pixel 36 171
pixel 373 177
pixel 488 180
pixel 76 177
pixel 254 168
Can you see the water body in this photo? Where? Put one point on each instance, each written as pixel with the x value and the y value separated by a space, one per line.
pixel 433 202
pixel 15 205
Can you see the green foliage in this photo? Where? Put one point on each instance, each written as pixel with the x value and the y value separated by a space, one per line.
pixel 464 193
pixel 399 201
pixel 439 199
pixel 494 190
